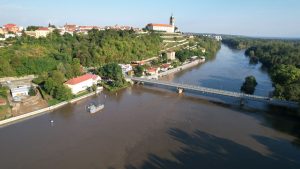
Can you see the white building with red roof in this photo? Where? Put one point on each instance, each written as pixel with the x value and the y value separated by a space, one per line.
pixel 42 32
pixel 11 28
pixel 152 71
pixel 82 83
pixel 168 28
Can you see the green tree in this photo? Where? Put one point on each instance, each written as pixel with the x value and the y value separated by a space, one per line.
pixel 58 77
pixel 3 91
pixel 139 70
pixel 164 57
pixel 32 28
pixel 249 85
pixel 50 85
pixel 112 71
pixel 62 93
pixel 32 91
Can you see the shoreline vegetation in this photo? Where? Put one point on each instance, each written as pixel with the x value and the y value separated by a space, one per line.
pixel 280 57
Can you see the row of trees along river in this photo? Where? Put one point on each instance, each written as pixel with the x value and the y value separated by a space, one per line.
pixel 281 58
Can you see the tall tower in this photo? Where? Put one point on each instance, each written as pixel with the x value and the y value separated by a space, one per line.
pixel 172 20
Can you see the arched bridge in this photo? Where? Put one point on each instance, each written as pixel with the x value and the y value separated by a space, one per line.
pixel 218 92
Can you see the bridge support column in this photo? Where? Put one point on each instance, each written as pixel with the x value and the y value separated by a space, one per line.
pixel 139 83
pixel 179 90
pixel 242 102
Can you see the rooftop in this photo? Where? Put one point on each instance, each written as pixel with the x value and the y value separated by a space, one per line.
pixel 161 25
pixel 80 79
pixel 43 29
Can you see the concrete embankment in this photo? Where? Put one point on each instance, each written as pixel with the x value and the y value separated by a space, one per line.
pixel 180 68
pixel 41 111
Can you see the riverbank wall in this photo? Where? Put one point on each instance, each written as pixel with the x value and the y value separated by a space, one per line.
pixel 180 68
pixel 41 111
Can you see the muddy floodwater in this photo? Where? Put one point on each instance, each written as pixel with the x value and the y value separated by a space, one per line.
pixel 148 128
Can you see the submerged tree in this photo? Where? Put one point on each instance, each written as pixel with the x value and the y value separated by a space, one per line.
pixel 249 85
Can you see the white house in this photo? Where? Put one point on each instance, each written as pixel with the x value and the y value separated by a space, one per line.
pixel 125 68
pixel 153 71
pixel 82 83
pixel 165 67
pixel 42 32
pixel 20 91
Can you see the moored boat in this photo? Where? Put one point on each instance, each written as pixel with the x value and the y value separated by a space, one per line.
pixel 95 108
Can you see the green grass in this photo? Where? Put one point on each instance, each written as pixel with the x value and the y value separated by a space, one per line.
pixel 81 94
pixel 4 112
pixel 53 102
pixel 113 89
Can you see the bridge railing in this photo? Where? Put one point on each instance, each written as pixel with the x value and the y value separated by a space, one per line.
pixel 217 91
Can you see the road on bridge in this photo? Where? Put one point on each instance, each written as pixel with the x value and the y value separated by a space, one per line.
pixel 239 95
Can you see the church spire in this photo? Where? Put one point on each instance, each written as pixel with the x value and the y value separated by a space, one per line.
pixel 172 20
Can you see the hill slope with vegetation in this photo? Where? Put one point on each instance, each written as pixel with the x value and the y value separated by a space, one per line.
pixel 28 55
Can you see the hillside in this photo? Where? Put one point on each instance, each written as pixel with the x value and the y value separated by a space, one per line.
pixel 28 55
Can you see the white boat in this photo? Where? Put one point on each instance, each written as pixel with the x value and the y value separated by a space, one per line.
pixel 93 108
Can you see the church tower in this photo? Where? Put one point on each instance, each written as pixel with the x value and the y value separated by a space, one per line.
pixel 172 20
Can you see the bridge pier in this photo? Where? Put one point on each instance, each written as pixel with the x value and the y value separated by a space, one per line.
pixel 179 90
pixel 242 102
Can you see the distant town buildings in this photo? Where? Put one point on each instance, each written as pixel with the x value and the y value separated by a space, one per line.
pixel 82 83
pixel 12 30
pixel 217 37
pixel 168 28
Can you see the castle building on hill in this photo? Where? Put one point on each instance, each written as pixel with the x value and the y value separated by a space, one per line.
pixel 168 28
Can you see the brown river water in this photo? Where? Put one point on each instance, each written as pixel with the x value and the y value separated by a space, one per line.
pixel 144 127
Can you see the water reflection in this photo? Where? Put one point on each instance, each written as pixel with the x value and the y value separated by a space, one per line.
pixel 203 150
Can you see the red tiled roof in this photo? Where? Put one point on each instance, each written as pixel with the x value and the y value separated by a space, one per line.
pixel 70 26
pixel 166 65
pixel 80 79
pixel 10 25
pixel 161 25
pixel 152 69
pixel 43 29
pixel 87 27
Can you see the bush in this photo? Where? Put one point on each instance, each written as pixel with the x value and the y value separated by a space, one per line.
pixel 32 91
pixel 249 85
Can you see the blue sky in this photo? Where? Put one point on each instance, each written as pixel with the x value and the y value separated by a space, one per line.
pixel 270 18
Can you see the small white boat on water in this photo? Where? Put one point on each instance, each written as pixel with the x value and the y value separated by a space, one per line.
pixel 95 108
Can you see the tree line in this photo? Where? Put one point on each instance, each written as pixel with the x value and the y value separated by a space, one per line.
pixel 280 57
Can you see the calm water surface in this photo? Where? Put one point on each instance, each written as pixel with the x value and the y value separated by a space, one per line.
pixel 145 128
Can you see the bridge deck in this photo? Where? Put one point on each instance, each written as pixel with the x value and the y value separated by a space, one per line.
pixel 219 92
